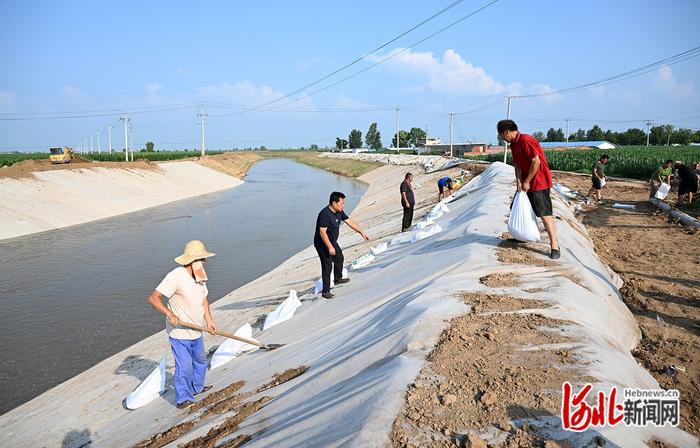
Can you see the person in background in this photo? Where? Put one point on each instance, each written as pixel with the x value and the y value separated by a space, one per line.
pixel 186 290
pixel 662 175
pixel 408 201
pixel 688 182
pixel 444 182
pixel 532 175
pixel 326 241
pixel 598 177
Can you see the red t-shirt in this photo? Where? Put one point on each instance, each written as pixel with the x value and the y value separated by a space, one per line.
pixel 525 148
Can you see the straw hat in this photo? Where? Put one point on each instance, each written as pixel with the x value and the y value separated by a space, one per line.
pixel 194 250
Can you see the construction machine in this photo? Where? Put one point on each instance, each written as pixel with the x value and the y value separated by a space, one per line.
pixel 61 155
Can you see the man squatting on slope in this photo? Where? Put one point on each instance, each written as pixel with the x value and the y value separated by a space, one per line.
pixel 532 176
pixel 326 241
pixel 186 290
pixel 442 183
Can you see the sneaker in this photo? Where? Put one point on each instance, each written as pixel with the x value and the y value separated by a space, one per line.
pixel 185 404
pixel 204 389
pixel 555 254
pixel 342 280
pixel 327 295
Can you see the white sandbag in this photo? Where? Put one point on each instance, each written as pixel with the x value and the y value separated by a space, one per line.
pixel 662 192
pixel 422 234
pixel 602 182
pixel 564 191
pixel 149 389
pixel 379 248
pixel 522 223
pixel 361 262
pixel 284 311
pixel 423 224
pixel 318 287
pixel 624 206
pixel 345 273
pixel 231 348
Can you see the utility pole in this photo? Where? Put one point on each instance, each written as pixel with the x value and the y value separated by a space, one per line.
pixel 567 131
pixel 86 140
pixel 451 118
pixel 670 131
pixel 131 137
pixel 505 153
pixel 99 148
pixel 398 132
pixel 91 150
pixel 109 135
pixel 201 116
pixel 649 123
pixel 125 119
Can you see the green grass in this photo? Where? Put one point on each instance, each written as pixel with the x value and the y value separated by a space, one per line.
pixel 344 167
pixel 635 162
pixel 158 156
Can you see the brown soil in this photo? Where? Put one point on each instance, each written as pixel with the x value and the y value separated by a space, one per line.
pixel 25 168
pixel 236 441
pixel 283 377
pixel 479 379
pixel 229 425
pixel 659 262
pixel 167 436
pixel 217 396
pixel 234 164
pixel 522 253
pixel 500 280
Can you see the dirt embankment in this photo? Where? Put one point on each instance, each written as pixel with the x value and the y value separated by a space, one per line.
pixel 659 262
pixel 25 168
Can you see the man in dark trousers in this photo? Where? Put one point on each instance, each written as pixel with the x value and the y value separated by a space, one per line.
pixel 532 176
pixel 326 241
pixel 407 202
pixel 598 177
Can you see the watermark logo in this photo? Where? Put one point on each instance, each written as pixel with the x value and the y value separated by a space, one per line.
pixel 639 407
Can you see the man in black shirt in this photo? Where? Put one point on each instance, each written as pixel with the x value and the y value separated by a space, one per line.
pixel 688 182
pixel 407 202
pixel 326 241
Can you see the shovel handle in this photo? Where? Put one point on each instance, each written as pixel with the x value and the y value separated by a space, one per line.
pixel 223 333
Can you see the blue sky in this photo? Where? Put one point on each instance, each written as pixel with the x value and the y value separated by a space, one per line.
pixel 70 56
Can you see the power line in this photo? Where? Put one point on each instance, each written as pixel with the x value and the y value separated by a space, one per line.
pixel 111 114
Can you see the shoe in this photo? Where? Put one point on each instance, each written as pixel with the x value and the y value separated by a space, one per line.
pixel 555 254
pixel 327 295
pixel 204 389
pixel 342 280
pixel 185 404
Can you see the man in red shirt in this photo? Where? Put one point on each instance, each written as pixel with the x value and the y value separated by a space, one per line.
pixel 532 176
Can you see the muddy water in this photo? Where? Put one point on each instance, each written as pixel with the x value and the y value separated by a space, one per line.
pixel 72 297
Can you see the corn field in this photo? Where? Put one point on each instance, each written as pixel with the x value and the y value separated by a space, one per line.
pixel 7 159
pixel 635 162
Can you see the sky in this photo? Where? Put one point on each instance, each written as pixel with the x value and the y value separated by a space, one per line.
pixel 158 60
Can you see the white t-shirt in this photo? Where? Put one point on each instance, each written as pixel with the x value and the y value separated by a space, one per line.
pixel 185 300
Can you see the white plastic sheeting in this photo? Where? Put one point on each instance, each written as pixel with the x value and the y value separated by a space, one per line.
pixel 624 206
pixel 362 261
pixel 379 248
pixel 423 224
pixel 318 286
pixel 149 389
pixel 284 311
pixel 522 223
pixel 231 348
pixel 564 191
pixel 425 233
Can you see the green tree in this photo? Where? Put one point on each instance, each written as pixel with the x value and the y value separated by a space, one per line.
pixel 682 136
pixel 373 138
pixel 595 134
pixel 612 136
pixel 415 135
pixel 341 143
pixel 539 136
pixel 355 139
pixel 555 135
pixel 314 148
pixel 657 135
pixel 149 146
pixel 403 136
pixel 578 136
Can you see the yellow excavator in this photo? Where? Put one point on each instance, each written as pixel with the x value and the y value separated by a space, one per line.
pixel 61 155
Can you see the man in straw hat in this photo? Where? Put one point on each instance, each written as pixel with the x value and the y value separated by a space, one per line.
pixel 186 290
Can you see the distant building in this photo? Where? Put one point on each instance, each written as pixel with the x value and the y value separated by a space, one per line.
pixel 598 145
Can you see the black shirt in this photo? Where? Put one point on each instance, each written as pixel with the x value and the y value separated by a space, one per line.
pixel 409 194
pixel 326 218
pixel 687 175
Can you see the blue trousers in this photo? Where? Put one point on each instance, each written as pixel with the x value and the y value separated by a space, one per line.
pixel 190 367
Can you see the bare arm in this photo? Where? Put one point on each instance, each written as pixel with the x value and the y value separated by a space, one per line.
pixel 354 226
pixel 533 170
pixel 595 173
pixel 518 177
pixel 156 301
pixel 211 326
pixel 324 237
pixel 405 199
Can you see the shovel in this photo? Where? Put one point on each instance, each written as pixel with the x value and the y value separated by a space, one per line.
pixel 232 336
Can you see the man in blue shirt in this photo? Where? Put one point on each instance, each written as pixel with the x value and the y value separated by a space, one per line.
pixel 326 241
pixel 442 183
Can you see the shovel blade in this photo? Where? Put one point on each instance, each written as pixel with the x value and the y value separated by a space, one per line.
pixel 272 346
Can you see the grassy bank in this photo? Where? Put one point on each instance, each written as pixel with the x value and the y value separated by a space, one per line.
pixel 344 167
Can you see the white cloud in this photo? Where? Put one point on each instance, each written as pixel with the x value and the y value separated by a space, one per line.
pixel 452 74
pixel 153 88
pixel 7 100
pixel 665 80
pixel 245 93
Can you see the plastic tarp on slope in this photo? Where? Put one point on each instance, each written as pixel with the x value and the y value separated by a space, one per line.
pixel 231 348
pixel 150 389
pixel 363 348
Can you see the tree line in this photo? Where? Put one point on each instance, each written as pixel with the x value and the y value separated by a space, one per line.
pixel 665 134
pixel 373 138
